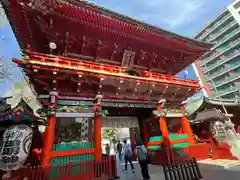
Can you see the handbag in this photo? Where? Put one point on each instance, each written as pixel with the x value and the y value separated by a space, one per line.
pixel 148 159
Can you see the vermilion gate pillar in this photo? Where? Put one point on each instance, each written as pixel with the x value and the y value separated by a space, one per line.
pixel 50 130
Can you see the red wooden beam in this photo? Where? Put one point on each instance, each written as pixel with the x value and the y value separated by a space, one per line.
pixel 183 84
pixel 86 66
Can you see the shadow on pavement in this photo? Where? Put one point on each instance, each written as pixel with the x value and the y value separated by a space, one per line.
pixel 209 172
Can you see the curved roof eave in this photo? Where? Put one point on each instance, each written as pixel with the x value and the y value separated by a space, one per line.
pixel 224 102
pixel 193 106
pixel 200 43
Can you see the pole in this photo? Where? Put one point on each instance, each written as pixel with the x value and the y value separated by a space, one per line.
pixel 97 128
pixel 49 134
pixel 228 123
pixel 220 99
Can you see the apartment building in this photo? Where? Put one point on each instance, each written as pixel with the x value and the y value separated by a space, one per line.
pixel 219 69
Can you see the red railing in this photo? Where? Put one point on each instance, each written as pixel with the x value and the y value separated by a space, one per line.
pixel 85 170
pixel 167 155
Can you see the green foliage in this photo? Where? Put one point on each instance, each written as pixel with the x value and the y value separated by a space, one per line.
pixel 20 85
pixel 109 133
pixel 132 73
pixel 70 132
pixel 21 90
pixel 3 17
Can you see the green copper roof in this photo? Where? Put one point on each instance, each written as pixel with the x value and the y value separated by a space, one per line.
pixel 194 105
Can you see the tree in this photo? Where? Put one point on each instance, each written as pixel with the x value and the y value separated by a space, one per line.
pixel 21 90
pixel 3 17
pixel 109 133
pixel 5 64
pixel 5 71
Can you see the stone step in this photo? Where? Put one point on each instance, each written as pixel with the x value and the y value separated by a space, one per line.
pixel 225 163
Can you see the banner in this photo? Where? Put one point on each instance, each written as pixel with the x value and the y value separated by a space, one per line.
pixel 16 146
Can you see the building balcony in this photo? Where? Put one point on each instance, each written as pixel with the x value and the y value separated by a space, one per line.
pixel 225 92
pixel 223 40
pixel 223 31
pixel 215 26
pixel 226 81
pixel 226 37
pixel 219 63
pixel 212 23
pixel 224 71
pixel 225 49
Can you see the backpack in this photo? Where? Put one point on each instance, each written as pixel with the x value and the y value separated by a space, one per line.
pixel 141 154
pixel 128 151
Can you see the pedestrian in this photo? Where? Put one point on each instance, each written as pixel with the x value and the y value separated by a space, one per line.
pixel 128 155
pixel 107 149
pixel 142 156
pixel 36 147
pixel 119 150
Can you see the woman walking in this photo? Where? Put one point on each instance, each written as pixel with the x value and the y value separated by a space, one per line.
pixel 141 152
pixel 128 155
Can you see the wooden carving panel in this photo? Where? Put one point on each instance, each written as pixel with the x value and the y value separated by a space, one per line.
pixel 128 58
pixel 89 46
pixel 104 50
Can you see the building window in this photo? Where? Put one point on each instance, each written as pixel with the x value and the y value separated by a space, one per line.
pixel 237 5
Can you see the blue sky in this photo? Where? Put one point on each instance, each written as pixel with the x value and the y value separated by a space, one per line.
pixel 185 17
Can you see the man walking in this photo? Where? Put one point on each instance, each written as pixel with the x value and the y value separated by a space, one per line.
pixel 119 150
pixel 128 155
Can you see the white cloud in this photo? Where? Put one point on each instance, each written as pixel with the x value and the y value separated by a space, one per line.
pixel 173 13
pixel 187 12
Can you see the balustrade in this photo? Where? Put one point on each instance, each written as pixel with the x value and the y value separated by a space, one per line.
pixel 226 80
pixel 220 62
pixel 222 30
pixel 213 27
pixel 223 70
pixel 222 50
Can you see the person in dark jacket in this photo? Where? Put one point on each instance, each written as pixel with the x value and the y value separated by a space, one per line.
pixel 107 149
pixel 119 150
pixel 141 152
pixel 36 147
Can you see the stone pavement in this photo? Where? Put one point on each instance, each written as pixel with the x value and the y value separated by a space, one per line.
pixel 209 172
pixel 155 172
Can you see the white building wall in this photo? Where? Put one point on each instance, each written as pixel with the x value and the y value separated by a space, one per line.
pixel 235 11
pixel 200 80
